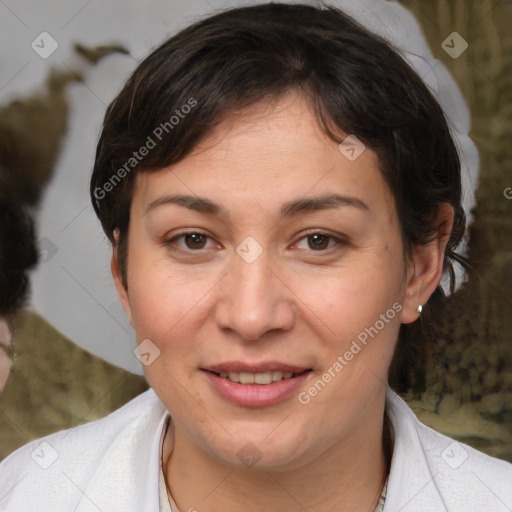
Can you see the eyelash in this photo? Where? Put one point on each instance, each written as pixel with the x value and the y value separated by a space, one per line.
pixel 339 241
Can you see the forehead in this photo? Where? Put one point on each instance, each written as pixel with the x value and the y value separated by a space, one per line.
pixel 267 155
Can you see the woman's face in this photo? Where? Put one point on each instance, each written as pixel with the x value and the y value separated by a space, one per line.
pixel 297 255
pixel 5 361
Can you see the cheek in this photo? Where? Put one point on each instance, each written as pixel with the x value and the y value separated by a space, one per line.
pixel 357 310
pixel 166 303
pixel 161 303
pixel 5 368
pixel 348 299
pixel 5 361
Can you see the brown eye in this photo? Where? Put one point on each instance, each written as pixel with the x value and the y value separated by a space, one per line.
pixel 318 241
pixel 195 240
pixel 189 240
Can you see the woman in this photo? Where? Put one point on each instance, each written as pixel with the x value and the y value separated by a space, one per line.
pixel 282 194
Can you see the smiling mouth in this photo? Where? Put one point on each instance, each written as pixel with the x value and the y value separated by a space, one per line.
pixel 261 378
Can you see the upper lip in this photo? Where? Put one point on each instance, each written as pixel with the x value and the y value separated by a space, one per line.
pixel 267 366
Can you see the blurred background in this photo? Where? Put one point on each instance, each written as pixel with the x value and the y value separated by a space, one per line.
pixel 63 62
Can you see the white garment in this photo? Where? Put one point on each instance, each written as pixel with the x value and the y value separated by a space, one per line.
pixel 113 465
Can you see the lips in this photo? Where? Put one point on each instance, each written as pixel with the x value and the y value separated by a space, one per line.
pixel 268 366
pixel 256 389
pixel 256 384
pixel 256 374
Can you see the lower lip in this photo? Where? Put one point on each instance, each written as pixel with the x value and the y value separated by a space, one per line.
pixel 256 395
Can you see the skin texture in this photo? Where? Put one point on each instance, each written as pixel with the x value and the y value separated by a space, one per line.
pixel 293 304
pixel 5 362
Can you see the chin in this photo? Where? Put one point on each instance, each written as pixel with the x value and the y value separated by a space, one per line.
pixel 255 449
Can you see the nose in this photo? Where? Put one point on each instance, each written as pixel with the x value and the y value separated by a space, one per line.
pixel 254 299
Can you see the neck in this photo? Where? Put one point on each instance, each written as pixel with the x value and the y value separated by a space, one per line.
pixel 199 481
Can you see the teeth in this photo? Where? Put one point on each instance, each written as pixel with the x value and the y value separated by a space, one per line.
pixel 277 376
pixel 262 378
pixel 256 378
pixel 245 378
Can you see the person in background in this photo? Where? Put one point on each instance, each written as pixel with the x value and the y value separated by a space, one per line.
pixel 26 168
pixel 18 254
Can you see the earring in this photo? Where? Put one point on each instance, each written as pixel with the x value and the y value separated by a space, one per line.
pixel 419 309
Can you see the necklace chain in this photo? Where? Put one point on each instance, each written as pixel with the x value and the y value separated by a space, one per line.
pixel 380 494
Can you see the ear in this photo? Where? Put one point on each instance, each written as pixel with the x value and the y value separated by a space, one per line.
pixel 122 292
pixel 426 268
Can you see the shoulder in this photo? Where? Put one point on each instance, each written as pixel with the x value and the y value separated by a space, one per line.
pixel 57 468
pixel 441 473
pixel 463 473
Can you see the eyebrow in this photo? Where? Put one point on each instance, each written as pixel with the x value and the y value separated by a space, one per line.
pixel 289 209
